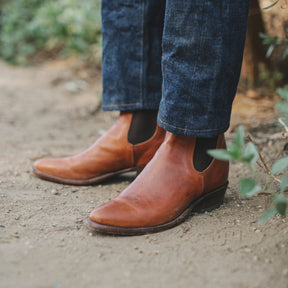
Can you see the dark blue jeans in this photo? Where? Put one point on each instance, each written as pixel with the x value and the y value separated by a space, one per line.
pixel 182 57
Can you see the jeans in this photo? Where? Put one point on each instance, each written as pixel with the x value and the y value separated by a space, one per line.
pixel 182 57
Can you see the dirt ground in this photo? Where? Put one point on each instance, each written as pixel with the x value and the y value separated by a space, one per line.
pixel 44 111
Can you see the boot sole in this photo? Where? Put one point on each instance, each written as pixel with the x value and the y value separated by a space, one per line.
pixel 83 182
pixel 206 202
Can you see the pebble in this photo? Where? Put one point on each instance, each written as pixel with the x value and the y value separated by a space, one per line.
pixel 16 235
pixel 285 272
pixel 54 192
pixel 268 261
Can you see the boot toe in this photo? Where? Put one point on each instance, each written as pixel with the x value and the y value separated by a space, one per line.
pixel 114 213
pixel 48 166
pixel 44 165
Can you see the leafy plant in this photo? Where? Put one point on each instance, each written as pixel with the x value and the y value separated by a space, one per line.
pixel 64 27
pixel 249 155
pixel 274 41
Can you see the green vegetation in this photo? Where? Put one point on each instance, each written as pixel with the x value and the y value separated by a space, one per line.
pixel 30 28
pixel 248 156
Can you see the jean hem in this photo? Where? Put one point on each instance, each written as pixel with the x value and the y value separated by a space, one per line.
pixel 192 132
pixel 131 107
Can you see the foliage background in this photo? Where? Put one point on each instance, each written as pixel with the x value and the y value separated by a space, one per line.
pixel 30 29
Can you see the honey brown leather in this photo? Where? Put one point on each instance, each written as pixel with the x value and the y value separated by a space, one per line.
pixel 110 154
pixel 164 189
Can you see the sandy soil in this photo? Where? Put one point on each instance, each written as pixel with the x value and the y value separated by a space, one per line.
pixel 43 243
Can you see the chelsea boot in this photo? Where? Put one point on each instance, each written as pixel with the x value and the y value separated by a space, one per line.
pixel 166 192
pixel 110 155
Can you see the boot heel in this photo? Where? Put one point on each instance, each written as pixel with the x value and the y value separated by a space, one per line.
pixel 211 200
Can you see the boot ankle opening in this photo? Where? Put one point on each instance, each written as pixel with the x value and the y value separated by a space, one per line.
pixel 201 159
pixel 143 126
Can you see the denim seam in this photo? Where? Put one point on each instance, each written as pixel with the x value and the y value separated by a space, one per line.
pixel 185 129
pixel 131 104
pixel 199 46
pixel 141 52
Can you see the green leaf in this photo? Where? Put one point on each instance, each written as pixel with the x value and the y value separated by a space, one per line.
pixel 283 184
pixel 250 154
pixel 267 215
pixel 248 187
pixel 270 51
pixel 239 138
pixel 270 6
pixel 234 150
pixel 283 93
pixel 280 165
pixel 280 202
pixel 221 154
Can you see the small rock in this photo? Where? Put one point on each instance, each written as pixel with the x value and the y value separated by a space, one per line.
pixel 268 261
pixel 54 192
pixel 285 272
pixel 16 235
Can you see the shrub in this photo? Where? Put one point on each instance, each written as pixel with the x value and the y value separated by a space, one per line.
pixel 64 27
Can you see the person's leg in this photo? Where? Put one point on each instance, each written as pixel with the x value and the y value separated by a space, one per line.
pixel 131 67
pixel 132 79
pixel 203 44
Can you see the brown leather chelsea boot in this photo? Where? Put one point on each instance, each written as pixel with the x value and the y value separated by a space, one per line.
pixel 110 155
pixel 166 191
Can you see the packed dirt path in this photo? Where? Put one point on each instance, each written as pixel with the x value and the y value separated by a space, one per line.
pixel 44 111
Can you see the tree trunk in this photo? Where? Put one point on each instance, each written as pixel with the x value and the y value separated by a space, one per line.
pixel 254 53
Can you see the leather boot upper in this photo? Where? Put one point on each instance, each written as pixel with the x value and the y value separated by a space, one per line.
pixel 164 189
pixel 112 152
